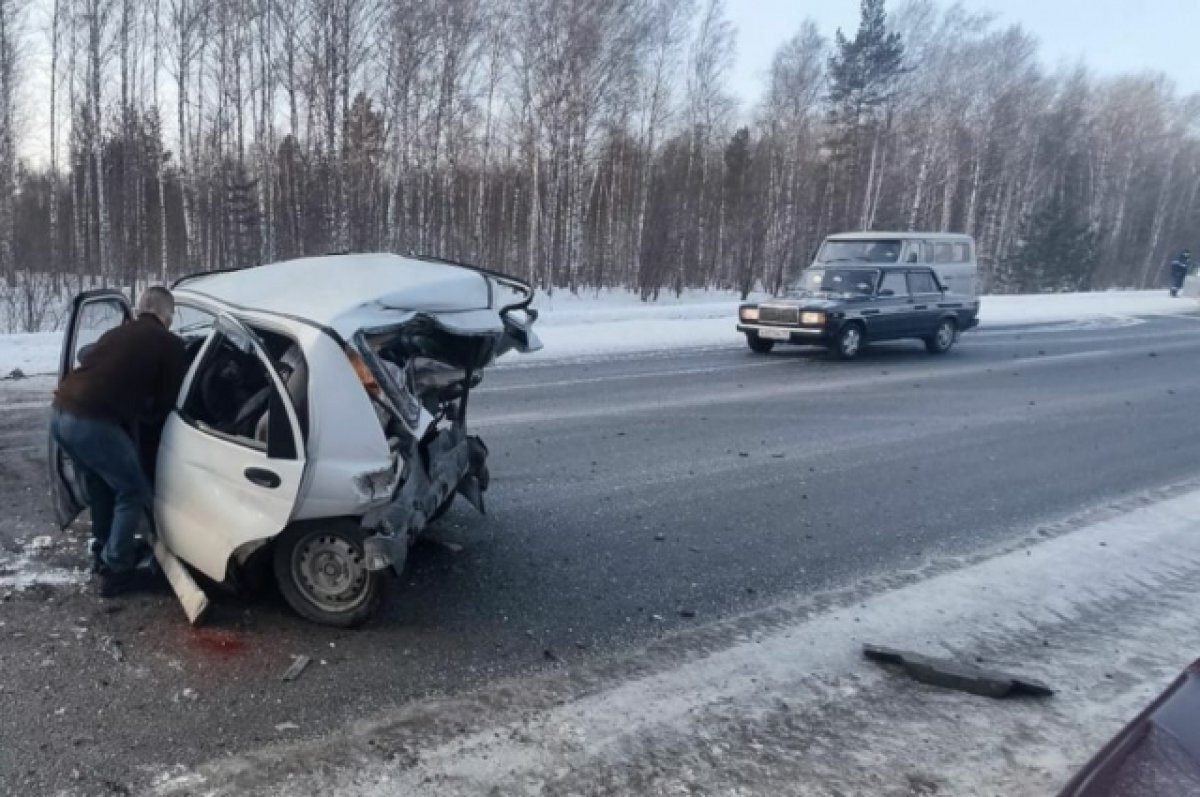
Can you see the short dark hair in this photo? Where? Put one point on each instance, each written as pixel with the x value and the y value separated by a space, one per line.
pixel 156 300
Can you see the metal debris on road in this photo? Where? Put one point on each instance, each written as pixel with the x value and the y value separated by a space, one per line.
pixel 954 675
pixel 287 726
pixel 114 648
pixel 298 665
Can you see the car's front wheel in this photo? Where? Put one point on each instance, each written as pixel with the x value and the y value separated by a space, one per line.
pixel 942 340
pixel 849 342
pixel 759 345
pixel 321 570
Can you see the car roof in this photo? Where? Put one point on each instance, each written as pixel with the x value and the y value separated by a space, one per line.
pixel 889 236
pixel 346 292
pixel 872 266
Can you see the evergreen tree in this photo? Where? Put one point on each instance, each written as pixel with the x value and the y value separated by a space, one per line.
pixel 863 72
pixel 863 75
pixel 1057 252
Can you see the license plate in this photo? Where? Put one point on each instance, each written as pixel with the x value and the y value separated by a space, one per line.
pixel 768 333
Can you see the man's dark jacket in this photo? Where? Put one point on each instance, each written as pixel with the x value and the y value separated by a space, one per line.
pixel 132 373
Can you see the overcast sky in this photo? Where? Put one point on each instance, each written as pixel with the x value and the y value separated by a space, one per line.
pixel 1111 36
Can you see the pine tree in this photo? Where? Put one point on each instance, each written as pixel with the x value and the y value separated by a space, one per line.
pixel 863 72
pixel 863 75
pixel 1057 252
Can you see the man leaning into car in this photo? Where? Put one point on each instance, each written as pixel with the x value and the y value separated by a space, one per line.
pixel 131 374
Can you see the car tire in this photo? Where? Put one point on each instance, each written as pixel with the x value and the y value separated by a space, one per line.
pixel 849 342
pixel 942 340
pixel 759 345
pixel 321 570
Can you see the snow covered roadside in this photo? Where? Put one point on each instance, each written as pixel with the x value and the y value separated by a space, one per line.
pixel 783 703
pixel 596 324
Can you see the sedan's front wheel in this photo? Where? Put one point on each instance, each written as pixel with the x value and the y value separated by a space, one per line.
pixel 321 570
pixel 759 345
pixel 849 342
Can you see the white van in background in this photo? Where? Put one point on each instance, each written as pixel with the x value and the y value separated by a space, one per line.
pixel 951 255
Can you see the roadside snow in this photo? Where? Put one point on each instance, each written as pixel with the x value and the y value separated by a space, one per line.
pixel 1051 308
pixel 31 354
pixel 28 567
pixel 617 322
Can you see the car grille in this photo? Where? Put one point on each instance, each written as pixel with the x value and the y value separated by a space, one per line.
pixel 778 315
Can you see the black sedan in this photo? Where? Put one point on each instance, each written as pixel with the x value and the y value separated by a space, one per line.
pixel 844 308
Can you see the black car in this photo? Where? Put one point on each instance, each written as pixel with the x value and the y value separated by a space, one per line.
pixel 846 307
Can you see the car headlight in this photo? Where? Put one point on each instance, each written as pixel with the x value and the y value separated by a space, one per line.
pixel 748 313
pixel 812 319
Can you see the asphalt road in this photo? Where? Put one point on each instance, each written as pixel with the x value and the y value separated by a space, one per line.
pixel 630 497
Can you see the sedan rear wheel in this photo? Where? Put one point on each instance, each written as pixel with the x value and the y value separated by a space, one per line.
pixel 321 570
pixel 943 339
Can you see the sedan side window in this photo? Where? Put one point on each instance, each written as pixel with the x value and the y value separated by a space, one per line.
pixel 921 282
pixel 893 284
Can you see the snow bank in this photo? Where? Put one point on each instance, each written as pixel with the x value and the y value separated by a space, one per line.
pixel 1056 307
pixel 32 354
pixel 617 322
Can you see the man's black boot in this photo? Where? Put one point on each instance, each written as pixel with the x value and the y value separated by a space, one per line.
pixel 115 584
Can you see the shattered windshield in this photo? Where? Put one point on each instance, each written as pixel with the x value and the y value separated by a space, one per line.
pixel 836 281
pixel 882 251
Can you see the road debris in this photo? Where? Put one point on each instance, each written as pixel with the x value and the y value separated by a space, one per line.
pixel 955 675
pixel 298 665
pixel 114 648
pixel 287 726
pixel 41 542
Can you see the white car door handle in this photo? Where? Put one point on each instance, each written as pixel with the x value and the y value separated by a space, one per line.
pixel 262 477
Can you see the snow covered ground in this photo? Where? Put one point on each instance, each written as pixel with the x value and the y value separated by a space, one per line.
pixel 617 322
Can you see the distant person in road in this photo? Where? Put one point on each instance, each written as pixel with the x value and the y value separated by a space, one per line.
pixel 131 374
pixel 1179 271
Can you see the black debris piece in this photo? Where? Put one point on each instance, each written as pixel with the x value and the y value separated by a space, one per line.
pixel 955 675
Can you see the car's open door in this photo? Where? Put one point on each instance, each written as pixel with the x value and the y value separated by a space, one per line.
pixel 219 487
pixel 92 314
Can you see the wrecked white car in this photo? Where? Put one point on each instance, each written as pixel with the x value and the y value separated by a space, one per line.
pixel 322 425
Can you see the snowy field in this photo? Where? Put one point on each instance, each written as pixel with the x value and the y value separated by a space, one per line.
pixel 617 322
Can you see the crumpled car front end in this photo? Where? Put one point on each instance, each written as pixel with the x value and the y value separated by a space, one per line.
pixel 419 373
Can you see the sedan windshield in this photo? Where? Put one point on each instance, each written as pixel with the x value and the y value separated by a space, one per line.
pixel 842 281
pixel 882 251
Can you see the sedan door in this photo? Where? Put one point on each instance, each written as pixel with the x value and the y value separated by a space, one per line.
pixel 219 485
pixel 892 304
pixel 92 314
pixel 926 295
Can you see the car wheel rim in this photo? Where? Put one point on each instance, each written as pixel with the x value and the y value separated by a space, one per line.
pixel 331 572
pixel 850 342
pixel 945 336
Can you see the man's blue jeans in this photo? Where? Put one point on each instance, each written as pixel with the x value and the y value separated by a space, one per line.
pixel 107 462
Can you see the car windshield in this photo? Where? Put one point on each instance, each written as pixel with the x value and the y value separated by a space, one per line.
pixel 881 251
pixel 840 281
